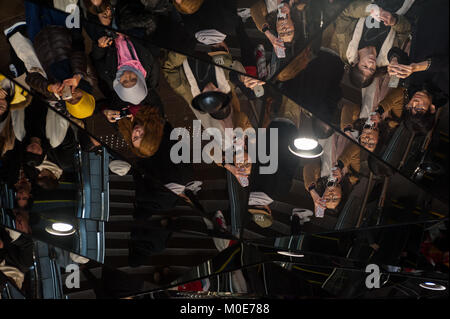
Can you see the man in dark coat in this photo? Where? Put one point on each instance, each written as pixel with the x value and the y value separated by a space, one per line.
pixel 61 53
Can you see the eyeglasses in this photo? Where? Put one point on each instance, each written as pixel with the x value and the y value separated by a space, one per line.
pixel 332 199
pixel 419 109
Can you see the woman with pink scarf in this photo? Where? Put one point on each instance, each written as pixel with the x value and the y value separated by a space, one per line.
pixel 127 71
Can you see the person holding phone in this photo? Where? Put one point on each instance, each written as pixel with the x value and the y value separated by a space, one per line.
pixel 61 53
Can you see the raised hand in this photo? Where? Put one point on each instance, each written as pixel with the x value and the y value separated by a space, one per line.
pixel 104 42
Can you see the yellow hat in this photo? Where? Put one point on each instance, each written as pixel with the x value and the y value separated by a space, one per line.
pixel 84 108
pixel 188 6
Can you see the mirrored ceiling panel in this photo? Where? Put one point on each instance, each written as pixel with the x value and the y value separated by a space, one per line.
pixel 149 147
pixel 377 83
pixel 265 36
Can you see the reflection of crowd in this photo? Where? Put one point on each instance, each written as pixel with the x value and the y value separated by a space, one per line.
pixel 113 69
pixel 399 66
pixel 16 254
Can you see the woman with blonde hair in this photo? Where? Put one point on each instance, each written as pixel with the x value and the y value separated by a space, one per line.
pixel 142 128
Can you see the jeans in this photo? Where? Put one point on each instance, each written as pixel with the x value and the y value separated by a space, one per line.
pixel 38 17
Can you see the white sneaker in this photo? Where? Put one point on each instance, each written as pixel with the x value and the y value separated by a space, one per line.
pixel 9 30
pixel 302 214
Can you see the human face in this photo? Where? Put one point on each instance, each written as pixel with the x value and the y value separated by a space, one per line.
pixel 369 139
pixel 243 162
pixel 35 146
pixel 105 17
pixel 420 103
pixel 367 61
pixel 96 2
pixel 128 79
pixel 22 198
pixel 332 196
pixel 137 135
pixel 3 106
pixel 22 224
pixel 285 26
pixel 76 96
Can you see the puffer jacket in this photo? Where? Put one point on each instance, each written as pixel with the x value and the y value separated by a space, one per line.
pixel 132 15
pixel 54 44
pixel 158 6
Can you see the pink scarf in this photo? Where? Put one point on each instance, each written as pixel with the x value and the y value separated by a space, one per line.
pixel 125 57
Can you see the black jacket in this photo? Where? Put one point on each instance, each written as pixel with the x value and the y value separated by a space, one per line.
pixel 430 40
pixel 132 16
pixel 105 61
pixel 151 174
pixel 55 44
pixel 19 253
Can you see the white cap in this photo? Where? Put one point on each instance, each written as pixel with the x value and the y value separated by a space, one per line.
pixel 120 168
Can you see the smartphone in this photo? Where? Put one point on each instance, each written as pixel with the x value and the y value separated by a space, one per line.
pixel 111 34
pixel 320 212
pixel 244 181
pixel 67 93
pixel 280 52
pixel 123 114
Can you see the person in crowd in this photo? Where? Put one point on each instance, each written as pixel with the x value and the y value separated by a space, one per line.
pixel 16 250
pixel 64 76
pixel 24 196
pixel 328 192
pixel 366 48
pixel 426 69
pixel 420 106
pixel 135 17
pixel 190 78
pixel 209 22
pixel 428 58
pixel 142 128
pixel 13 98
pixel 98 12
pixel 49 145
pixel 371 132
pixel 280 31
pixel 127 68
pixel 159 182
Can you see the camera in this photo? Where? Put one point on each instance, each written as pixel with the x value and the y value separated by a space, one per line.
pixel 123 114
pixel 111 34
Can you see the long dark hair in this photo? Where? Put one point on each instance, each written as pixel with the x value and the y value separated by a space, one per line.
pixel 292 48
pixel 358 79
pixel 346 188
pixel 421 124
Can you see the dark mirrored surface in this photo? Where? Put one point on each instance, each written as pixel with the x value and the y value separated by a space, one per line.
pixel 354 83
pixel 123 144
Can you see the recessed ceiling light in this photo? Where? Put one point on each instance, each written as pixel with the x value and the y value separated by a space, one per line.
pixel 305 144
pixel 60 229
pixel 432 286
pixel 290 254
